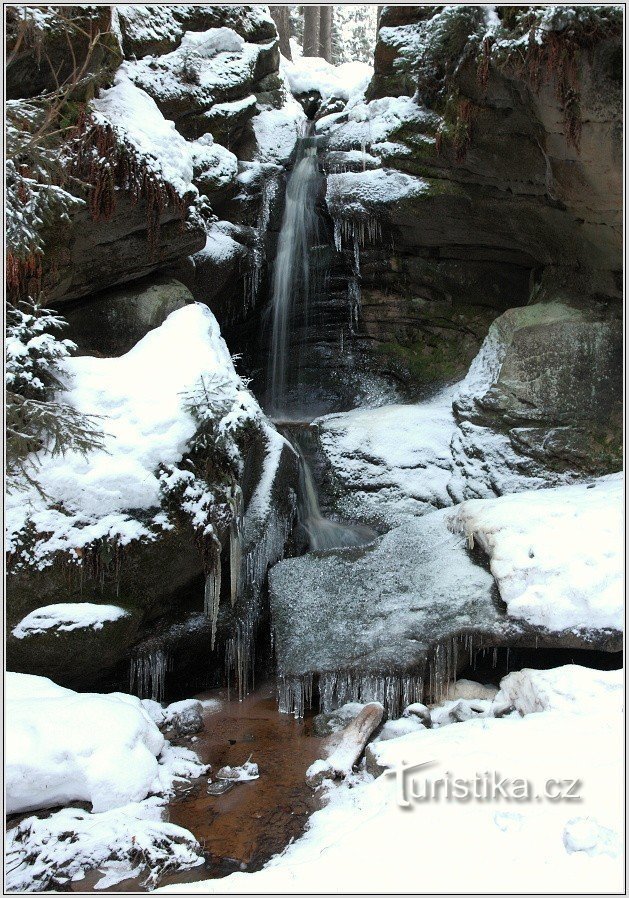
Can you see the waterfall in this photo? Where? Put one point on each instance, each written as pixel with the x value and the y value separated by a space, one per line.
pixel 292 282
pixel 323 533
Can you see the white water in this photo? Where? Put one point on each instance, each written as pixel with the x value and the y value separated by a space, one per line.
pixel 323 533
pixel 291 286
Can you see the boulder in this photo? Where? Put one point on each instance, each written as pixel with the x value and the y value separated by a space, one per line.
pixel 111 323
pixel 542 402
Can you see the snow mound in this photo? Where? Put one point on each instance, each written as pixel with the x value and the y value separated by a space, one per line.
pixel 141 401
pixel 129 841
pixel 308 74
pixel 207 44
pixel 556 554
pixel 67 616
pixel 570 688
pixel 65 746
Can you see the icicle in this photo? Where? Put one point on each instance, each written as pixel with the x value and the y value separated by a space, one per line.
pixel 147 674
pixel 212 596
pixel 354 300
pixel 253 277
pixel 338 240
pixel 235 544
pixel 294 694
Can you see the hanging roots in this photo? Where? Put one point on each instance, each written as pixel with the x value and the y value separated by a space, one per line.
pixel 107 163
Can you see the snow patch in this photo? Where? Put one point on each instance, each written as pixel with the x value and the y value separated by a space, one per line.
pixel 67 616
pixel 556 554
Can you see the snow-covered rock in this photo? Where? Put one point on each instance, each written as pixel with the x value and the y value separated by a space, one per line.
pixel 312 74
pixel 64 746
pixel 68 616
pixel 556 554
pixel 390 462
pixel 136 115
pixel 184 717
pixel 276 131
pixel 359 194
pixel 131 841
pixel 140 401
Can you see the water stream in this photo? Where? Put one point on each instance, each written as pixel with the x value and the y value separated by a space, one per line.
pixel 292 284
pixel 323 533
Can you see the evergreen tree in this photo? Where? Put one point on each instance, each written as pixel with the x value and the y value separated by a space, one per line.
pixel 38 421
pixel 353 33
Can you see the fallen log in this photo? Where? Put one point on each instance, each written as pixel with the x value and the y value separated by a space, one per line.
pixel 349 748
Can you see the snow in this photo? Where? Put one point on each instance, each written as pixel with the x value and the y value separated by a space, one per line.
pixel 364 124
pixel 129 841
pixel 65 746
pixel 211 159
pixel 246 773
pixel 199 70
pixel 66 616
pixel 356 194
pixel 276 131
pixel 312 73
pixel 140 399
pixel 132 111
pixel 208 44
pixel 220 246
pixel 539 846
pixel 402 450
pixel 570 688
pixel 556 554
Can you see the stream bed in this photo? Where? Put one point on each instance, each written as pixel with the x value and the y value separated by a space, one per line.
pixel 244 828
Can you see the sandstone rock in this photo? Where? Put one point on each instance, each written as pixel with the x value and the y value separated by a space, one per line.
pixel 541 402
pixel 155 30
pixel 88 256
pixel 112 323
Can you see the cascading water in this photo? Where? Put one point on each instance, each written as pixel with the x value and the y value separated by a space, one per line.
pixel 292 281
pixel 324 534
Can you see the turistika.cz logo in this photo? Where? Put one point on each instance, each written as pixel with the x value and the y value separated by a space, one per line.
pixel 412 787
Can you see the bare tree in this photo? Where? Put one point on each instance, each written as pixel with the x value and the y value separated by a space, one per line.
pixel 325 32
pixel 281 17
pixel 311 30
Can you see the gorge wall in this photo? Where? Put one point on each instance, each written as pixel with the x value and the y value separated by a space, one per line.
pixel 474 189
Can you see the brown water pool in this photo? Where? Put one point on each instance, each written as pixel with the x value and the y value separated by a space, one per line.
pixel 245 827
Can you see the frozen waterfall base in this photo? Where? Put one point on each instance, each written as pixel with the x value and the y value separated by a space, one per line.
pixel 394 623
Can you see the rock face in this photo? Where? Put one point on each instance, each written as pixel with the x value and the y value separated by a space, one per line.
pixel 112 323
pixel 542 401
pixel 472 182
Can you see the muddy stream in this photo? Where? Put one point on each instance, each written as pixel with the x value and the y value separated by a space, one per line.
pixel 244 828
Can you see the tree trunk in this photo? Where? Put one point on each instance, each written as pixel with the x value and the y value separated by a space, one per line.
pixel 380 8
pixel 349 747
pixel 325 32
pixel 281 17
pixel 311 30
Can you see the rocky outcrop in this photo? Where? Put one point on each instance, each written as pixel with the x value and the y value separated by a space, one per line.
pixel 482 174
pixel 112 323
pixel 542 401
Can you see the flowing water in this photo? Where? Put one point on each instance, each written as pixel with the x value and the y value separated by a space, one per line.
pixel 323 533
pixel 245 827
pixel 292 283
